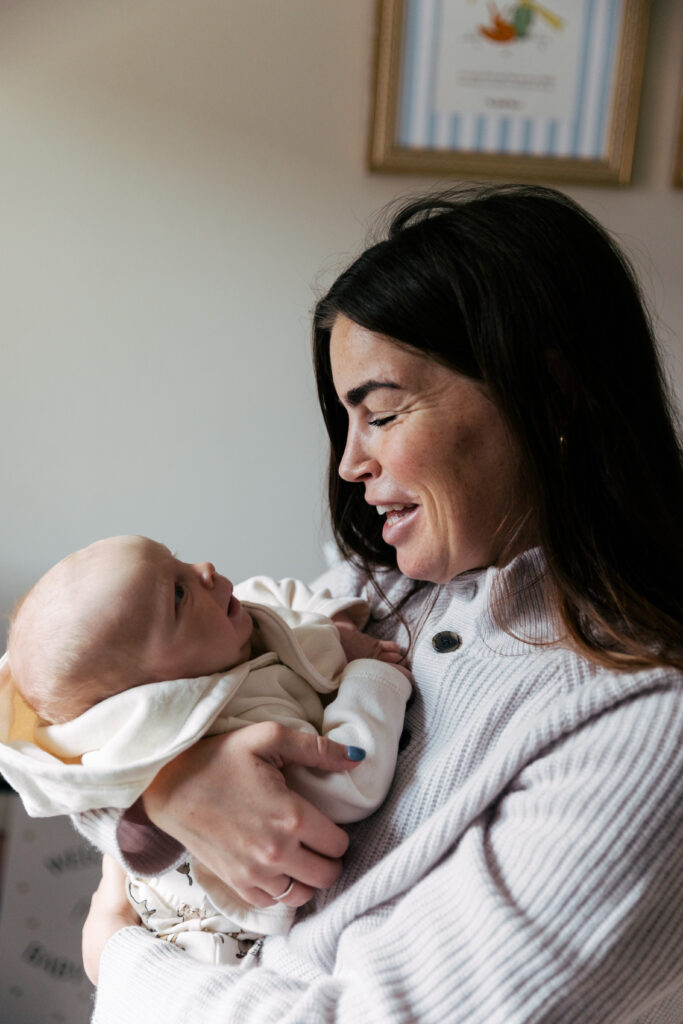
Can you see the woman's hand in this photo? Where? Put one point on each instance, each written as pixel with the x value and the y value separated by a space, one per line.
pixel 109 911
pixel 227 801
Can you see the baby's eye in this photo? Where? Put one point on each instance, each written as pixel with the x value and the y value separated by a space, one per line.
pixel 179 593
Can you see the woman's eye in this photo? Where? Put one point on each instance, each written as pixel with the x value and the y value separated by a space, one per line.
pixel 179 593
pixel 381 421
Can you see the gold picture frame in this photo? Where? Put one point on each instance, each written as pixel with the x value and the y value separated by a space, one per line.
pixel 452 100
pixel 677 174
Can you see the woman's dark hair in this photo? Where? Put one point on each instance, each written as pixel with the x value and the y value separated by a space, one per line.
pixel 519 288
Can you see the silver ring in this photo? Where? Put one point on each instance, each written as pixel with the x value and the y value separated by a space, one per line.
pixel 287 891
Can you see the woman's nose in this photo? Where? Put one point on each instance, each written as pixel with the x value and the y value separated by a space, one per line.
pixel 357 464
pixel 207 573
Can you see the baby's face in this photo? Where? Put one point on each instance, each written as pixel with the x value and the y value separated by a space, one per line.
pixel 190 622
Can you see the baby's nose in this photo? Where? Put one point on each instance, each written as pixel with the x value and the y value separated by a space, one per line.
pixel 207 573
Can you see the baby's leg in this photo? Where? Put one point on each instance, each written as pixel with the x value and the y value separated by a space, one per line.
pixel 175 908
pixel 367 712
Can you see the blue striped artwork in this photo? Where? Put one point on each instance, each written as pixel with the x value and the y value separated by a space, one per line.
pixel 577 126
pixel 607 74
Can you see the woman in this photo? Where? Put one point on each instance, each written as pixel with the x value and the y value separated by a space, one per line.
pixel 490 386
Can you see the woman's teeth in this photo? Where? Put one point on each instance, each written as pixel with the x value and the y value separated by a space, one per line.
pixel 393 512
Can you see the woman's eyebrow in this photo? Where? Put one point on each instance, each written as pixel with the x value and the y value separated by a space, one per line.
pixel 356 395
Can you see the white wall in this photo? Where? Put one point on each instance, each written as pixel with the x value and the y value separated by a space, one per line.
pixel 177 180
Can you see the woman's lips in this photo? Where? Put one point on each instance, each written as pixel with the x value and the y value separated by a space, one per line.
pixel 233 606
pixel 398 521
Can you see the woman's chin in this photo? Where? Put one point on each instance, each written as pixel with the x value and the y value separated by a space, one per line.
pixel 420 566
pixel 419 569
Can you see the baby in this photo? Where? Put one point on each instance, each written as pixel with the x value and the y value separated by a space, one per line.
pixel 126 656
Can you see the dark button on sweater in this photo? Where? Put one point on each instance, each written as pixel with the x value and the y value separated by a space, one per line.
pixel 446 641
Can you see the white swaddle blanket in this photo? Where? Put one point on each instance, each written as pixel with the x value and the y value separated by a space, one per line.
pixel 107 756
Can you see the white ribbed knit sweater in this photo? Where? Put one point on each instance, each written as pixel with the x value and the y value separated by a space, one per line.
pixel 527 865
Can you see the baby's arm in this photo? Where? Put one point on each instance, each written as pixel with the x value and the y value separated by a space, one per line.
pixel 367 712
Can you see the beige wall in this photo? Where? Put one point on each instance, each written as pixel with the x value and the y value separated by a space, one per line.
pixel 178 178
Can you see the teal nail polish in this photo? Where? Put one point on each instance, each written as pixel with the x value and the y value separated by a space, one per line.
pixel 355 753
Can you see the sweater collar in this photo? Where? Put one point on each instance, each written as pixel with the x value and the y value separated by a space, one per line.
pixel 506 608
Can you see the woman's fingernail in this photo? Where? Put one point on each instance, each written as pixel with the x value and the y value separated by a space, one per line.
pixel 355 753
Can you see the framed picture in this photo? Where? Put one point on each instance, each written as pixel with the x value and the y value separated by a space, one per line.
pixel 677 176
pixel 526 91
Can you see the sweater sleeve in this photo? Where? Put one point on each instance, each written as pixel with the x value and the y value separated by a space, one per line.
pixel 131 838
pixel 562 902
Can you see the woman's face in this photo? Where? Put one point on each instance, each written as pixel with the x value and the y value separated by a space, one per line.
pixel 431 451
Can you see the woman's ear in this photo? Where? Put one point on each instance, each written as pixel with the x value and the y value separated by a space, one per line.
pixel 562 375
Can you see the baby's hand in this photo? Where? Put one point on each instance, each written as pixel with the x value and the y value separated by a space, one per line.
pixel 357 644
